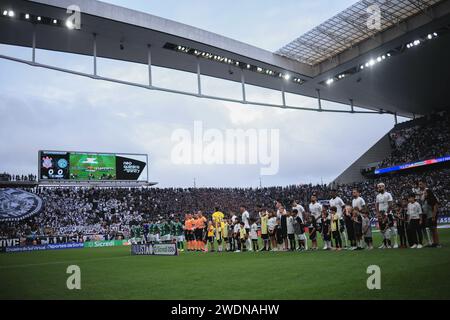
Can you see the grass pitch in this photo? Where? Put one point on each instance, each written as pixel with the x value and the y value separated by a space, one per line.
pixel 112 273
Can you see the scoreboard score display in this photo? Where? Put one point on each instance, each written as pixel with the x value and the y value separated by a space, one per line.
pixel 88 166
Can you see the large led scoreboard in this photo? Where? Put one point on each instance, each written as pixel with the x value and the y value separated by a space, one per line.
pixel 91 166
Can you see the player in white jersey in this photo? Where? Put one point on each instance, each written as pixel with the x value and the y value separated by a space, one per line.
pixel 300 209
pixel 357 201
pixel 278 204
pixel 383 204
pixel 315 208
pixel 245 218
pixel 337 202
pixel 233 218
pixel 301 220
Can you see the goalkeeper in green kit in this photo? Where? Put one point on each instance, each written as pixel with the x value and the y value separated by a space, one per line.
pixel 178 233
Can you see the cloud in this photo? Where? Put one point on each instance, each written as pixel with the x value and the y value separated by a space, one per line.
pixel 43 109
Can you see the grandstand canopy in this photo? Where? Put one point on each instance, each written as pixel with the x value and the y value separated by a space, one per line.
pixel 405 82
pixel 349 28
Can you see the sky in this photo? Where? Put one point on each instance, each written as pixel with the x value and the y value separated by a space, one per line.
pixel 46 110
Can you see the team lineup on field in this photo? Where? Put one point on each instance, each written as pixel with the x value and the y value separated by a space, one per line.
pixel 408 221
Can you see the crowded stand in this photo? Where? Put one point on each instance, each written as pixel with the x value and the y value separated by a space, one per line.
pixel 420 139
pixel 16 177
pixel 115 212
pixel 86 213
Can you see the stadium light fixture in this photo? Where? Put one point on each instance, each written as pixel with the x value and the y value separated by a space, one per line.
pixel 380 58
pixel 231 61
pixel 11 13
pixel 5 12
pixel 55 21
pixel 69 24
pixel 39 18
pixel 27 16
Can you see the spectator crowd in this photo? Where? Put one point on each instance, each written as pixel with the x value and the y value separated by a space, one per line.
pixel 113 211
pixel 421 139
pixel 16 177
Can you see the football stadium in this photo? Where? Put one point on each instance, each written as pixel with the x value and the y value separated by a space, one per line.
pixel 316 171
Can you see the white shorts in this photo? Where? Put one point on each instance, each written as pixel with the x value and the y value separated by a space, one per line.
pixel 393 230
pixel 154 237
pixel 180 238
pixel 301 237
pixel 167 237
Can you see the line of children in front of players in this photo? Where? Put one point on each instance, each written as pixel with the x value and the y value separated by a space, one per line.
pixel 339 226
pixel 286 231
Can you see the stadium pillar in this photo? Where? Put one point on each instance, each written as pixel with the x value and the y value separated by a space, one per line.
pixel 95 54
pixel 33 57
pixel 352 106
pixel 244 98
pixel 149 65
pixel 283 96
pixel 318 99
pixel 395 117
pixel 199 81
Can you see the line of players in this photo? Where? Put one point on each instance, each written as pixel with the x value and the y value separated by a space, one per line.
pixel 338 224
pixel 159 231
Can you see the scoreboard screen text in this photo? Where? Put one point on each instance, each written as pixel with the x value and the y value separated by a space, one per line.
pixel 85 166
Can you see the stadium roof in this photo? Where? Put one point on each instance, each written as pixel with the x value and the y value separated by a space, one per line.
pixel 409 82
pixel 349 27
